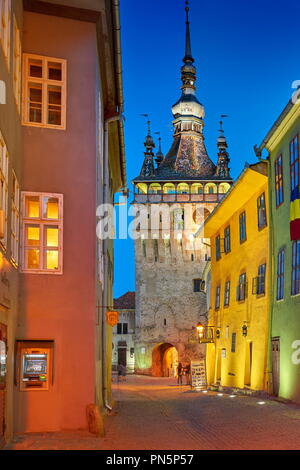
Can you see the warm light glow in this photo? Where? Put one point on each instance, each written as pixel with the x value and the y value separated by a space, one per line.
pixel 261 402
pixel 232 396
pixel 52 259
pixel 33 236
pixel 52 236
pixel 51 208
pixel 33 259
pixel 33 207
pixel 220 394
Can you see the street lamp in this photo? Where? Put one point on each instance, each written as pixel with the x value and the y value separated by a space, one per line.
pixel 200 330
pixel 245 330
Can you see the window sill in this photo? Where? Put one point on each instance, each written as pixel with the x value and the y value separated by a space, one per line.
pixel 29 271
pixel 43 126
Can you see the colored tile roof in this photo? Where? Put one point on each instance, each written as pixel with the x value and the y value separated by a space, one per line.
pixel 126 301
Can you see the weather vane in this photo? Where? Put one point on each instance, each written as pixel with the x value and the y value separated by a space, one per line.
pixel 148 122
pixel 221 121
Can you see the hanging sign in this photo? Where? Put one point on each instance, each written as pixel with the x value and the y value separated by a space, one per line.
pixel 198 374
pixel 112 318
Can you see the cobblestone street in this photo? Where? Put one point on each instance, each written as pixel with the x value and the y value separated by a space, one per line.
pixel 156 414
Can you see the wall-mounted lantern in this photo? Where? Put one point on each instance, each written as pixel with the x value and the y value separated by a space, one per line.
pixel 245 330
pixel 205 333
pixel 218 333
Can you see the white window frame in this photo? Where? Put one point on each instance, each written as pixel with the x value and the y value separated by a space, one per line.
pixel 44 81
pixel 42 222
pixel 17 65
pixel 4 164
pixel 15 221
pixel 5 29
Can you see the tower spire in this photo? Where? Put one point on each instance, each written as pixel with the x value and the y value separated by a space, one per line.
pixel 188 48
pixel 223 156
pixel 148 165
pixel 188 71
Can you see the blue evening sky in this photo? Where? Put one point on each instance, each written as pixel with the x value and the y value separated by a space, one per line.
pixel 247 56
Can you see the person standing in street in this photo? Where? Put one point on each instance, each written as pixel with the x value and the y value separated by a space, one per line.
pixel 188 374
pixel 179 373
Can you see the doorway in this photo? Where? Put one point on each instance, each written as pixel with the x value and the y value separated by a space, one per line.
pixel 248 363
pixel 219 367
pixel 122 356
pixel 3 360
pixel 276 365
pixel 164 360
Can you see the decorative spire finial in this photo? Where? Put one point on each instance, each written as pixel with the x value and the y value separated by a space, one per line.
pixel 149 144
pixel 188 58
pixel 159 156
pixel 223 156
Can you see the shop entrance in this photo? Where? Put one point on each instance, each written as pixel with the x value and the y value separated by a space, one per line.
pixel 3 354
pixel 164 360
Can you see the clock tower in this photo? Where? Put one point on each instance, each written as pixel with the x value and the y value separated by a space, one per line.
pixel 173 195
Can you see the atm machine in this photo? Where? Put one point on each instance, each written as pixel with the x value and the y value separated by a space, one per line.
pixel 35 369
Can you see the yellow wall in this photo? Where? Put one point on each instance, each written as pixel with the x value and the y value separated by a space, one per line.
pixel 245 257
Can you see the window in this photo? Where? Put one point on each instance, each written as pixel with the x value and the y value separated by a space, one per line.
pixel 261 280
pixel 44 91
pixel 294 164
pixel 227 241
pixel 227 294
pixel 296 268
pixel 5 21
pixel 242 288
pixel 122 329
pixel 197 285
pixel 42 233
pixel 17 65
pixel 279 181
pixel 233 342
pixel 280 275
pixel 218 289
pixel 261 211
pixel 3 188
pixel 15 220
pixel 243 232
pixel 218 247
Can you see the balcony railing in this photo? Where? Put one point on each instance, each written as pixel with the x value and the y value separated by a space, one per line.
pixel 158 198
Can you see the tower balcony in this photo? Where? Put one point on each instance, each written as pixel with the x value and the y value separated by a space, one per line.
pixel 155 193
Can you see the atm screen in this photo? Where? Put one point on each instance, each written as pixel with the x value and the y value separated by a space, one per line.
pixel 35 364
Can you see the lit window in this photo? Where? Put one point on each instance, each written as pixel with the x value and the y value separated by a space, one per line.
pixel 42 232
pixel 5 22
pixel 44 92
pixel 3 189
pixel 15 220
pixel 17 65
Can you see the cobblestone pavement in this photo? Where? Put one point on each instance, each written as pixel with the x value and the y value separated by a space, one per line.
pixel 156 414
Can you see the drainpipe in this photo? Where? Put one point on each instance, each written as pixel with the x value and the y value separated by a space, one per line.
pixel 106 200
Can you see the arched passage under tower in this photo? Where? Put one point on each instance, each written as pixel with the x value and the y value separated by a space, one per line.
pixel 164 360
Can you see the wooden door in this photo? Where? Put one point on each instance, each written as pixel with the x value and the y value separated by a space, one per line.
pixel 3 353
pixel 248 364
pixel 276 365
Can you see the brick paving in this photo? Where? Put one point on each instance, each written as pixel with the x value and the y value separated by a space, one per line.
pixel 156 414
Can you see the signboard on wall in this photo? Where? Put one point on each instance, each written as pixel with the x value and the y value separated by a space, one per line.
pixel 198 374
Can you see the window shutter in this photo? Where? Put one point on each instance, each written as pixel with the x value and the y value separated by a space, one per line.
pixel 254 285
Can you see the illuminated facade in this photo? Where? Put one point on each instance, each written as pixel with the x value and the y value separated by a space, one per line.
pixel 182 188
pixel 67 159
pixel 282 145
pixel 123 332
pixel 239 293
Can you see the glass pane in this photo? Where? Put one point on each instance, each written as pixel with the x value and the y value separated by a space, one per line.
pixel 32 206
pixel 35 68
pixel 33 259
pixel 35 102
pixel 54 71
pixel 33 236
pixel 52 236
pixel 54 106
pixel 52 259
pixel 2 361
pixel 50 208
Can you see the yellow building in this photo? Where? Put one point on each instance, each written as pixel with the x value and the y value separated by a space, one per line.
pixel 239 304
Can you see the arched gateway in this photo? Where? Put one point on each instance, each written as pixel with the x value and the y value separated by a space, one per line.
pixel 164 360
